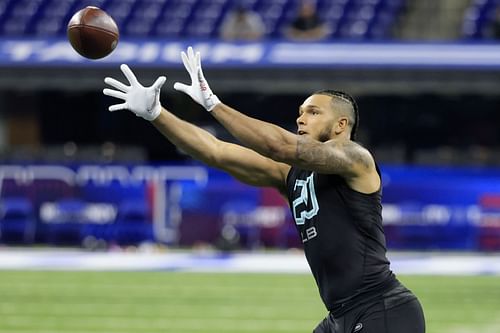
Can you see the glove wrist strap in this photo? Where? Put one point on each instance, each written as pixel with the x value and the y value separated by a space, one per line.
pixel 211 102
pixel 150 116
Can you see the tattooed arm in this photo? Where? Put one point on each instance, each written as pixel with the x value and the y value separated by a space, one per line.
pixel 345 158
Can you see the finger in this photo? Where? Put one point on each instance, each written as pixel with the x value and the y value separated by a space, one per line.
pixel 190 53
pixel 192 58
pixel 159 82
pixel 181 87
pixel 117 107
pixel 116 84
pixel 129 74
pixel 198 59
pixel 186 63
pixel 114 93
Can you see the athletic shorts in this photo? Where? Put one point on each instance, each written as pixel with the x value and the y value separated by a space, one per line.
pixel 397 311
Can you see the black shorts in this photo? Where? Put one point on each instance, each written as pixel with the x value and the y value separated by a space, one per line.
pixel 396 311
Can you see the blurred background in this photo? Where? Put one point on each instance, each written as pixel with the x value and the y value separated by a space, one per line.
pixel 83 189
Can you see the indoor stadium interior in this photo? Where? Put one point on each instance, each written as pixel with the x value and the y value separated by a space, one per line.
pixel 98 196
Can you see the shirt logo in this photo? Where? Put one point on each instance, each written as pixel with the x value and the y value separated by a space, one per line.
pixel 357 328
pixel 306 205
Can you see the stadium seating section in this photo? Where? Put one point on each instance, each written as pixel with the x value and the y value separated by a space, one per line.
pixel 348 19
pixel 478 19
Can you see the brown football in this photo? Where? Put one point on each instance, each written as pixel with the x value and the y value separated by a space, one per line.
pixel 93 33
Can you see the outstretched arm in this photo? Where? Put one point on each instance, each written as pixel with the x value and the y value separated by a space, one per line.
pixel 347 159
pixel 244 164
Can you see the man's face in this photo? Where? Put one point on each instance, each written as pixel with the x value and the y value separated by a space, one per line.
pixel 316 118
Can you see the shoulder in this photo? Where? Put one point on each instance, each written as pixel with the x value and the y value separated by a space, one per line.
pixel 358 155
pixel 365 177
pixel 361 173
pixel 361 154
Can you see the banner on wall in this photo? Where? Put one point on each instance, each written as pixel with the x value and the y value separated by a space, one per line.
pixel 166 53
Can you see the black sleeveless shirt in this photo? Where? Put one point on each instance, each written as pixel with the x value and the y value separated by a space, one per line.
pixel 343 238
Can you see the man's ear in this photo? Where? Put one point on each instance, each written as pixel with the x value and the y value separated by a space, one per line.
pixel 342 124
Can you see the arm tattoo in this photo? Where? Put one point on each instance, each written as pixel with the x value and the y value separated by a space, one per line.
pixel 332 156
pixel 356 154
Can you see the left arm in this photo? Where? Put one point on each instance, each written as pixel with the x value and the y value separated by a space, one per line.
pixel 348 158
pixel 263 137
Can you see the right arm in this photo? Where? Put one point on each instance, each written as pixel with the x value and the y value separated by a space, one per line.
pixel 242 163
pixel 246 165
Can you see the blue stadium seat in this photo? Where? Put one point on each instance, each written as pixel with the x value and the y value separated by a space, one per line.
pixel 333 11
pixel 133 219
pixel 65 227
pixel 206 27
pixel 19 16
pixel 148 9
pixel 248 3
pixel 365 12
pixel 17 221
pixel 3 7
pixel 380 27
pixel 119 10
pixel 143 17
pixel 273 16
pixel 173 19
pixel 179 8
pixel 49 26
pixel 354 29
pixel 210 9
pixel 206 18
pixel 134 223
pixel 172 27
pixel 202 18
pixel 478 19
pixel 138 27
pixel 84 3
pixel 13 26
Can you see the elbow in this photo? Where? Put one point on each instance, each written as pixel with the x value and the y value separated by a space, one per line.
pixel 215 155
pixel 212 160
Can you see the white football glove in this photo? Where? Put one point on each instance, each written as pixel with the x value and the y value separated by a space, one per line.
pixel 199 90
pixel 143 101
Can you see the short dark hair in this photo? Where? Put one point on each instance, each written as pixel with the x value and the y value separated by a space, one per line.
pixel 346 98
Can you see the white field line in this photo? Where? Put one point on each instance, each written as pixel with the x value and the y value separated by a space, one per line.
pixel 281 262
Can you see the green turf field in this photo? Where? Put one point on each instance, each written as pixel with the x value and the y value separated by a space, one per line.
pixel 133 302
